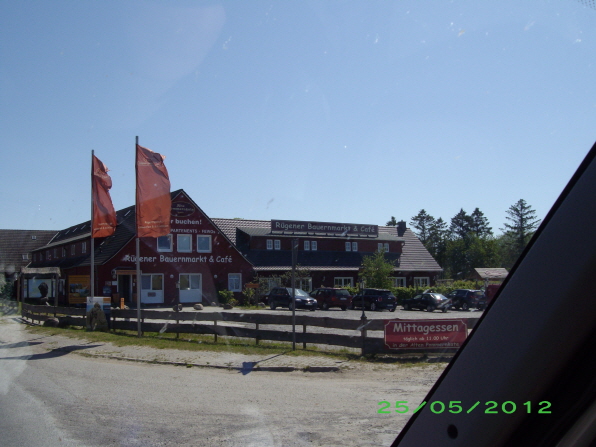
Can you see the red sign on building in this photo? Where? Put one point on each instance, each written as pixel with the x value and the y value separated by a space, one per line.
pixel 424 334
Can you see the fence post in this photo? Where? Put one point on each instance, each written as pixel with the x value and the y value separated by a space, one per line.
pixel 215 324
pixel 257 334
pixel 304 338
pixel 363 322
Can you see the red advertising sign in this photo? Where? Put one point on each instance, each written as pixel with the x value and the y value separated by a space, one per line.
pixel 424 334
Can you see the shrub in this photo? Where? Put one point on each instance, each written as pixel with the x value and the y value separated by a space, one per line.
pixel 225 296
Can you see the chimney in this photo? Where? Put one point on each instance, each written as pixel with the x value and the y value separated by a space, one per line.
pixel 401 228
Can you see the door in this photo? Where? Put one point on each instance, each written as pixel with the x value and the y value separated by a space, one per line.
pixel 125 287
pixel 191 288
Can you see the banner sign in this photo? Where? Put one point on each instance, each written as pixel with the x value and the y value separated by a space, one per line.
pixel 424 334
pixel 104 217
pixel 154 204
pixel 338 229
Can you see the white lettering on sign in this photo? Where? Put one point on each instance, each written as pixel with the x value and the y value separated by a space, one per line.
pixel 424 328
pixel 186 221
pixel 129 258
pixel 184 230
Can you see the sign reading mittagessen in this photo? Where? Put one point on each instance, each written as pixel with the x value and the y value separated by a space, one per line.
pixel 424 334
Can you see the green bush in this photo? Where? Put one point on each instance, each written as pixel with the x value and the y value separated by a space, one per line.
pixel 225 296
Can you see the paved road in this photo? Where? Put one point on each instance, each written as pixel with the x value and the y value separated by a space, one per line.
pixel 53 398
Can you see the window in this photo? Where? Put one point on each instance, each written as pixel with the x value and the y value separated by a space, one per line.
pixel 306 245
pixel 273 282
pixel 204 243
pixel 164 243
pixel 235 282
pixel 313 245
pixel 277 244
pixel 64 252
pixel 380 246
pixel 354 246
pixel 84 247
pixel 184 243
pixel 269 244
pixel 399 281
pixel 386 247
pixel 25 257
pixel 49 255
pixel 152 282
pixel 33 237
pixel 348 246
pixel 343 282
pixel 73 250
pixel 421 281
pixel 304 284
pixel 55 253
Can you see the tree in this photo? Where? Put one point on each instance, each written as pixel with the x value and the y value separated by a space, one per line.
pixel 437 240
pixel 392 222
pixel 523 223
pixel 461 225
pixel 376 270
pixel 422 223
pixel 479 224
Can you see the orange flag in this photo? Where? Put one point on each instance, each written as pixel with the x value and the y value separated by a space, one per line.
pixel 104 217
pixel 154 203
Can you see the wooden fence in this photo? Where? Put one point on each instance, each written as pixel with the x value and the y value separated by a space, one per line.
pixel 218 324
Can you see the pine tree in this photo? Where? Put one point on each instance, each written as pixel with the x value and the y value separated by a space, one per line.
pixel 480 224
pixel 392 222
pixel 461 225
pixel 422 223
pixel 523 223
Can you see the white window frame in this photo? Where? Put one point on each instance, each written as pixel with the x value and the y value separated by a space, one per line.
pixel 184 236
pixel 354 246
pixel 73 249
pixel 25 256
pixel 379 246
pixel 386 247
pixel 204 237
pixel 421 281
pixel 313 245
pixel 277 244
pixel 235 282
pixel 170 239
pixel 55 253
pixel 398 281
pixel 304 284
pixel 84 247
pixel 64 252
pixel 348 246
pixel 343 281
pixel 306 245
pixel 269 244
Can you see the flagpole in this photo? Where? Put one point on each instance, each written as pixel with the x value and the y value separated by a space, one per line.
pixel 92 244
pixel 138 260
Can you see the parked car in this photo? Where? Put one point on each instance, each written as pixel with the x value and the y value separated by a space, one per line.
pixel 328 297
pixel 428 301
pixel 465 299
pixel 487 297
pixel 282 297
pixel 375 299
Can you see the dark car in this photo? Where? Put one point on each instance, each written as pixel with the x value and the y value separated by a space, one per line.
pixel 428 301
pixel 375 299
pixel 465 299
pixel 331 297
pixel 282 297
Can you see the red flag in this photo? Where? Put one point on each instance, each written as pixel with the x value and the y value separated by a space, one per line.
pixel 104 217
pixel 154 203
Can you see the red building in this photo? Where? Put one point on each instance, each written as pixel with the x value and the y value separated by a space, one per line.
pixel 203 256
pixel 331 253
pixel 190 265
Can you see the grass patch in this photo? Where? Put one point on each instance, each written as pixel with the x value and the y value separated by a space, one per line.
pixel 191 342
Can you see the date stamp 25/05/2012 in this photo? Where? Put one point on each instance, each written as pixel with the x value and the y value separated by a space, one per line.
pixel 457 406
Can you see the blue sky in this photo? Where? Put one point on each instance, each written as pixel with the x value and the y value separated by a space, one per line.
pixel 335 111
